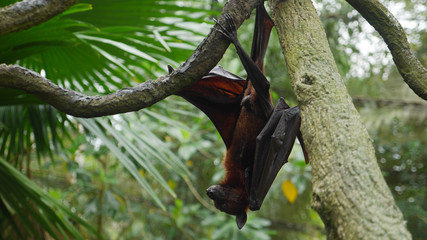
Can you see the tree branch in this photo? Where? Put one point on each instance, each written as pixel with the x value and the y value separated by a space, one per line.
pixel 411 69
pixel 398 103
pixel 203 59
pixel 28 13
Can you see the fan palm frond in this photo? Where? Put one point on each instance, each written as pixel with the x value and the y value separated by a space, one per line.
pixel 95 47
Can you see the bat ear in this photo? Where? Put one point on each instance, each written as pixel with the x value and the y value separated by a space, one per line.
pixel 241 220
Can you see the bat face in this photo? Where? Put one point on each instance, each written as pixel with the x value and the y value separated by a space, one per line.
pixel 231 200
pixel 228 199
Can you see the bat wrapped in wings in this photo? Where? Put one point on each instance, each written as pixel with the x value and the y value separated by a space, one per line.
pixel 257 137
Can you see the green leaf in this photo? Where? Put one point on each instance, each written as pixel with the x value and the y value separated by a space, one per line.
pixel 122 46
pixel 80 7
pixel 90 124
pixel 22 198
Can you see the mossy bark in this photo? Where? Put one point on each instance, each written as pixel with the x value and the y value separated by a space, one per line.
pixel 349 192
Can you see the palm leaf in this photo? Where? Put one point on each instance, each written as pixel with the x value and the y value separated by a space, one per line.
pixel 93 51
pixel 93 126
pixel 85 50
pixel 23 201
pixel 136 147
pixel 23 126
pixel 94 47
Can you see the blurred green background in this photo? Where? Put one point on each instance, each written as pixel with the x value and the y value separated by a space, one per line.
pixel 143 175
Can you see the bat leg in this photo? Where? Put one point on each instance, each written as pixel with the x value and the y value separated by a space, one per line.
pixel 274 144
pixel 256 76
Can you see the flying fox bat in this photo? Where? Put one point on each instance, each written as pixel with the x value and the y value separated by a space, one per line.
pixel 258 138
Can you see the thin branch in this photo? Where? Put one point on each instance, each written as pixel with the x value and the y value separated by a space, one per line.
pixel 361 101
pixel 28 13
pixel 411 69
pixel 197 195
pixel 203 59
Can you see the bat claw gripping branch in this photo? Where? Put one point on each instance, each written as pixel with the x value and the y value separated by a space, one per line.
pixel 230 34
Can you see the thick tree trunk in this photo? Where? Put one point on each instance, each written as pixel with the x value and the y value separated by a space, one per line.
pixel 349 192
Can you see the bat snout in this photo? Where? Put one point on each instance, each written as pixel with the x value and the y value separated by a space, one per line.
pixel 215 192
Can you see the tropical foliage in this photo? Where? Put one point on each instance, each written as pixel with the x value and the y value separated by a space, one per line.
pixel 141 175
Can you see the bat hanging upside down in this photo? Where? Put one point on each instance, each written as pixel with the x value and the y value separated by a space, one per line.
pixel 258 138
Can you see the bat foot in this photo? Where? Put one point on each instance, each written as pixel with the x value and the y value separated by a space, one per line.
pixel 230 34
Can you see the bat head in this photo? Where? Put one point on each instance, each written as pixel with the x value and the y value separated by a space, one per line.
pixel 231 200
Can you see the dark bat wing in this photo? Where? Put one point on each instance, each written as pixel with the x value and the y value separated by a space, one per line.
pixel 218 95
pixel 263 26
pixel 274 144
pixel 301 141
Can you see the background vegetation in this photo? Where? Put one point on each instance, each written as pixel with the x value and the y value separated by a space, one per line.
pixel 144 174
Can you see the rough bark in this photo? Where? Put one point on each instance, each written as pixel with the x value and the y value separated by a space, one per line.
pixel 28 13
pixel 411 69
pixel 203 59
pixel 349 192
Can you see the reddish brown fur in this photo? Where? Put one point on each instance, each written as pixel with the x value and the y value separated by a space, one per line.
pixel 230 195
pixel 241 152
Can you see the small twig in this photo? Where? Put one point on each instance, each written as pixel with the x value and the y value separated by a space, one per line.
pixel 359 100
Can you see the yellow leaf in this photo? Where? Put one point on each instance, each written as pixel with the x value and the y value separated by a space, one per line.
pixel 172 184
pixel 289 190
pixel 141 172
pixel 119 199
pixel 168 139
pixel 189 163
